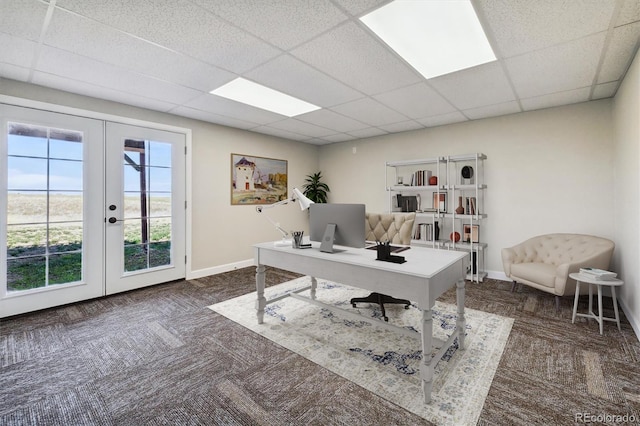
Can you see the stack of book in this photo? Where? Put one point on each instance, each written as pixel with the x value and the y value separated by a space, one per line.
pixel 598 274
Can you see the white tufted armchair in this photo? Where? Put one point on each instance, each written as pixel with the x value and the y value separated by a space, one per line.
pixel 545 262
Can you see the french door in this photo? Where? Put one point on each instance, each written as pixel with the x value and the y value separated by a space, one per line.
pixel 87 208
pixel 145 207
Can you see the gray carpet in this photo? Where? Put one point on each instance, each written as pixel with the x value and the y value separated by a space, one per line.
pixel 159 356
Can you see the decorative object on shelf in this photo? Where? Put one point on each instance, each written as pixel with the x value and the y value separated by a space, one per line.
pixel 436 231
pixel 315 189
pixel 440 201
pixel 460 209
pixel 257 180
pixel 467 175
pixel 471 233
pixel 454 236
pixel 433 180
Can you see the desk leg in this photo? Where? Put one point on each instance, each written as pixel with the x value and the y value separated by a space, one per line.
pixel 461 323
pixel 426 370
pixel 261 302
pixel 314 285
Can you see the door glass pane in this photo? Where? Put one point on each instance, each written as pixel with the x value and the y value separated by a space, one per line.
pixel 147 194
pixel 44 206
pixel 65 175
pixel 26 207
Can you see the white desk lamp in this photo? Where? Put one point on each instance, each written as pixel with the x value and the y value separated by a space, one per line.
pixel 304 204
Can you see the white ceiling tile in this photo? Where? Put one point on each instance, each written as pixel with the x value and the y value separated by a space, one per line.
pixel 197 114
pixel 268 130
pixel 13 72
pixel 100 92
pixel 415 101
pixel 287 74
pixel 616 60
pixel 605 90
pixel 492 110
pixel 370 112
pixel 80 68
pixel 360 7
pixel 300 127
pixel 182 26
pixel 23 18
pixel 283 23
pixel 339 137
pixel 441 120
pixel 16 51
pixel 332 120
pixel 485 84
pixel 520 26
pixel 88 38
pixel 556 69
pixel 402 127
pixel 367 133
pixel 229 108
pixel 352 55
pixel 556 99
pixel 629 12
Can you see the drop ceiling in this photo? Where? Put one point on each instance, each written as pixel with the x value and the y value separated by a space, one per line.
pixel 167 55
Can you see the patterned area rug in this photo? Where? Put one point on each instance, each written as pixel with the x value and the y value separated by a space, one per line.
pixel 383 362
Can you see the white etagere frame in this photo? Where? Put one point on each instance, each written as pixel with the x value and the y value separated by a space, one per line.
pixel 447 170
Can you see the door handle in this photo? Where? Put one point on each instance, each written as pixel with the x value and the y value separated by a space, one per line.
pixel 114 220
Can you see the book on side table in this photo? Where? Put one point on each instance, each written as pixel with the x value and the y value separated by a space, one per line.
pixel 598 274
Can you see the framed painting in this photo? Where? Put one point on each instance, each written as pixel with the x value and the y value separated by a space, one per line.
pixel 257 180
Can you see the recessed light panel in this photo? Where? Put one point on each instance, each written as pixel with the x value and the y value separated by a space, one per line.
pixel 435 36
pixel 259 96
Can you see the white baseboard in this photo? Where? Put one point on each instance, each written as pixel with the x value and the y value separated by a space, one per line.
pixel 635 324
pixel 219 269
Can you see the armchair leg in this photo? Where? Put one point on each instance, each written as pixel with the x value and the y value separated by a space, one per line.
pixel 557 303
pixel 513 286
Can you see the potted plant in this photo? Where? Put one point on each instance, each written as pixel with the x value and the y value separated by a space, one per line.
pixel 314 189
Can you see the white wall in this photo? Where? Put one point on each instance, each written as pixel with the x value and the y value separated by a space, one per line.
pixel 626 119
pixel 546 171
pixel 222 235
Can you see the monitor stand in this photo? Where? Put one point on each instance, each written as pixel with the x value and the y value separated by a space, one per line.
pixel 327 239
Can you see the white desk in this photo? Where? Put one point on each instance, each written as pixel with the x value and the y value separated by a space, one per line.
pixel 422 279
pixel 613 283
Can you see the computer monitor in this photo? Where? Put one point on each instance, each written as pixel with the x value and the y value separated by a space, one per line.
pixel 341 224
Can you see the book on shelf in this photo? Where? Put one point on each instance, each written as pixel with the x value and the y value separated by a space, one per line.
pixel 598 274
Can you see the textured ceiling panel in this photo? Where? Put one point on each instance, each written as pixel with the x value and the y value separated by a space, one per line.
pixel 492 110
pixel 556 69
pixel 166 55
pixel 22 18
pixel 556 99
pixel 521 26
pixel 370 112
pixel 471 88
pixel 416 101
pixel 281 23
pixel 617 60
pixel 351 55
pixel 85 37
pixel 293 77
pixel 16 51
pixel 332 120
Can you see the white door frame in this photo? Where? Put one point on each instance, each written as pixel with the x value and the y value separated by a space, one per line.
pixel 49 107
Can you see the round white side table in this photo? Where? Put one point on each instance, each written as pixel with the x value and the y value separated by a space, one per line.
pixel 613 283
